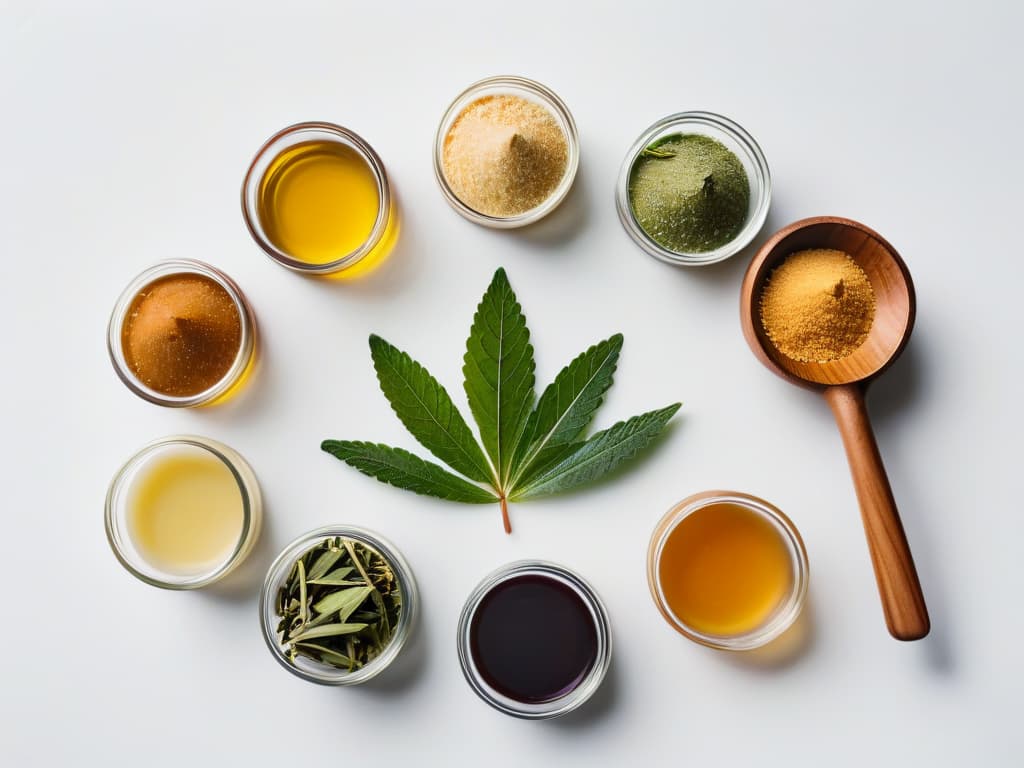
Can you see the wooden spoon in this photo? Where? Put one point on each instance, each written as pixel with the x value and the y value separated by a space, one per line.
pixel 843 383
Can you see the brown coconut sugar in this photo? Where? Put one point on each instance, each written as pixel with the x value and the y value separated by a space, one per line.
pixel 504 155
pixel 817 306
pixel 181 334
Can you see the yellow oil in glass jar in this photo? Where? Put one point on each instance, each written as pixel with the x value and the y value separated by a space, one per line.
pixel 317 200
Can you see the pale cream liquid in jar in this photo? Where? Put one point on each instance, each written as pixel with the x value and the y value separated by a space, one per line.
pixel 185 511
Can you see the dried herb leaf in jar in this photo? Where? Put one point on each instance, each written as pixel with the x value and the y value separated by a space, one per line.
pixel 339 605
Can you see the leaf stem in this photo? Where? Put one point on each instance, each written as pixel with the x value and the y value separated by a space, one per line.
pixel 303 608
pixel 355 561
pixel 504 514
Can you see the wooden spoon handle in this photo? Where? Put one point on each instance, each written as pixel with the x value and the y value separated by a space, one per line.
pixel 898 586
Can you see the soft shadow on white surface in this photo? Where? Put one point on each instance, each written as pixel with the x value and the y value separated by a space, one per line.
pixel 245 581
pixel 782 653
pixel 560 227
pixel 893 398
pixel 895 393
pixel 727 276
pixel 594 712
pixel 391 276
pixel 254 396
pixel 721 282
pixel 406 670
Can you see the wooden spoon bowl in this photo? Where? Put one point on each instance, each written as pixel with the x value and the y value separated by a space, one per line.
pixel 843 383
pixel 890 280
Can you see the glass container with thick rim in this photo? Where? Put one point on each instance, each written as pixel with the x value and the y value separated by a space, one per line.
pixel 116 512
pixel 579 694
pixel 246 347
pixel 314 671
pixel 292 136
pixel 740 143
pixel 509 85
pixel 785 613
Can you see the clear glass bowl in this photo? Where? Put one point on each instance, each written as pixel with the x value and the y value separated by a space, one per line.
pixel 239 369
pixel 314 671
pixel 740 143
pixel 301 133
pixel 531 91
pixel 784 614
pixel 562 704
pixel 117 508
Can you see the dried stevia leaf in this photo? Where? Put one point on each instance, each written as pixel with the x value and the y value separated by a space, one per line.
pixel 344 600
pixel 323 563
pixel 350 610
pixel 336 577
pixel 325 655
pixel 328 630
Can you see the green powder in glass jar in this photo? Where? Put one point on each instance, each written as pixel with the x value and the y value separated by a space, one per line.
pixel 689 193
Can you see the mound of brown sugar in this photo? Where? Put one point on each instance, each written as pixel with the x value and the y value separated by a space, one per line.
pixel 817 306
pixel 181 334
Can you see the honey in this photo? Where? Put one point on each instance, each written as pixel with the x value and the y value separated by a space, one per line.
pixel 318 201
pixel 724 569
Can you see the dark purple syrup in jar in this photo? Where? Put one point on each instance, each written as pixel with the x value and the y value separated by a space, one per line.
pixel 533 638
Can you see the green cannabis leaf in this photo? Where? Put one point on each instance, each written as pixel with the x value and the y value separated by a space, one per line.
pixel 405 470
pixel 598 455
pixel 567 407
pixel 527 451
pixel 498 373
pixel 427 411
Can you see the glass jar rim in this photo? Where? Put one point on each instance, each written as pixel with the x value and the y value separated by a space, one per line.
pixel 554 105
pixel 321 673
pixel 761 188
pixel 785 613
pixel 246 344
pixel 273 147
pixel 252 511
pixel 580 693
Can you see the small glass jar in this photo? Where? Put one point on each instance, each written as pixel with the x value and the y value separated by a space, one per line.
pixel 381 234
pixel 235 375
pixel 314 671
pixel 531 91
pixel 581 691
pixel 783 615
pixel 117 508
pixel 736 140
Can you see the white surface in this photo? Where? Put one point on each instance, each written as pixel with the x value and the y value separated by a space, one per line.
pixel 126 136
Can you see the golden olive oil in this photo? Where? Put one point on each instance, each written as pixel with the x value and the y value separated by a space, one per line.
pixel 185 512
pixel 318 201
pixel 724 570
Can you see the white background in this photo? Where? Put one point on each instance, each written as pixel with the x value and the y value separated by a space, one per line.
pixel 126 135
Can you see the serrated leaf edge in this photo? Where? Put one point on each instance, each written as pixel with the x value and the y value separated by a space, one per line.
pixel 533 452
pixel 572 463
pixel 487 472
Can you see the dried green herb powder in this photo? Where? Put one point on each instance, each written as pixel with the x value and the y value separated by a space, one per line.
pixel 689 193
